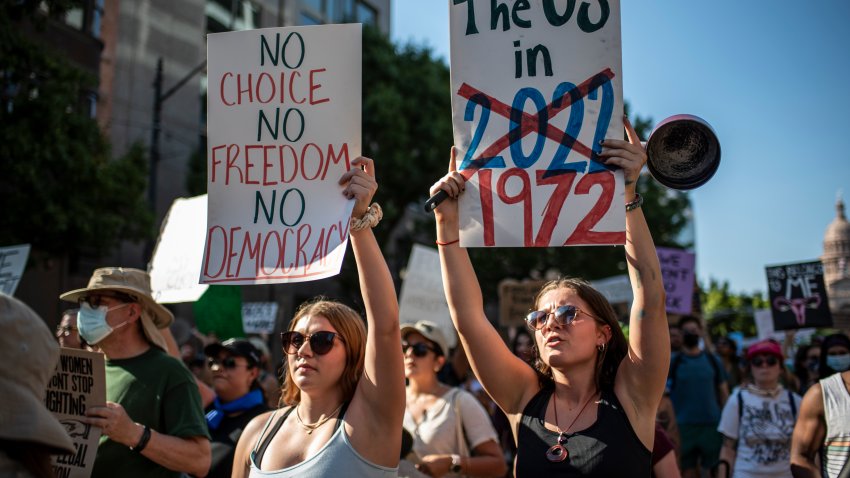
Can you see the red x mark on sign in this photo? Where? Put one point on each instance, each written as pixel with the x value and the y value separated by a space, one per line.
pixel 529 122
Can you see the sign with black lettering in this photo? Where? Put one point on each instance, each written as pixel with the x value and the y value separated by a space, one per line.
pixel 13 261
pixel 798 296
pixel 677 272
pixel 78 383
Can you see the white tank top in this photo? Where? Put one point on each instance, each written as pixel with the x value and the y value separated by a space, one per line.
pixel 836 408
pixel 337 458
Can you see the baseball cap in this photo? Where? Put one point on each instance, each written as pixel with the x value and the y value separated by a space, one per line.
pixel 237 346
pixel 768 347
pixel 430 331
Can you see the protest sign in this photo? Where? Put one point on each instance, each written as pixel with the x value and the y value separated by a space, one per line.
pixel 798 296
pixel 535 87
pixel 516 300
pixel 259 317
pixel 283 123
pixel 422 296
pixel 13 261
pixel 617 289
pixel 78 383
pixel 677 272
pixel 179 252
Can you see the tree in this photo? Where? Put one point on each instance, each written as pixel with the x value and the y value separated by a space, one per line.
pixel 61 192
pixel 729 312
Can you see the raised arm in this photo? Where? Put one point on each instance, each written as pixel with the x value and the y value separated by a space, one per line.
pixel 505 376
pixel 377 409
pixel 642 374
pixel 809 433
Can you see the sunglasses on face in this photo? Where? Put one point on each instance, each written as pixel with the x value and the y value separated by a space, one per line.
pixel 420 349
pixel 227 362
pixel 96 300
pixel 320 342
pixel 762 361
pixel 564 315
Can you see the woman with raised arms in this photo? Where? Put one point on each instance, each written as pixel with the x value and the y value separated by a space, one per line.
pixel 588 407
pixel 344 383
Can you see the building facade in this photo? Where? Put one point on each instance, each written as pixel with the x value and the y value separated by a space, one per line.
pixel 836 267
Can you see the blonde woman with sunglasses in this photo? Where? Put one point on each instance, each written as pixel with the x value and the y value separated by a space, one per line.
pixel 344 384
pixel 588 407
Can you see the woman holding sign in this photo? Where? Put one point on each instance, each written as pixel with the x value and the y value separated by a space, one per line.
pixel 344 385
pixel 588 406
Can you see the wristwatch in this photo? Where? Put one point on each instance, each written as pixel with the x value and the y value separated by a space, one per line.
pixel 455 468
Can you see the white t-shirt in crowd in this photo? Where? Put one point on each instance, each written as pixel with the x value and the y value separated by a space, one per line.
pixel 764 434
pixel 437 432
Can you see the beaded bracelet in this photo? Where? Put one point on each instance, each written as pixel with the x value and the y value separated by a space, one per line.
pixel 634 203
pixel 370 218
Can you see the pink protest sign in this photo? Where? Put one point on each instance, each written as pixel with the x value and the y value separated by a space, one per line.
pixel 677 271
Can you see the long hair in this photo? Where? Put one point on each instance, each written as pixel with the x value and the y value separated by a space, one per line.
pixel 350 327
pixel 608 360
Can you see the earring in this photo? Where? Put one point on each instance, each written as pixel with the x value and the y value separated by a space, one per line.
pixel 600 348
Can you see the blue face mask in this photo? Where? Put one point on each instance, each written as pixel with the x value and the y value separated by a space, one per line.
pixel 92 324
pixel 839 363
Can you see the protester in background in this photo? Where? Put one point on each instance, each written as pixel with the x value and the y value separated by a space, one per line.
pixel 824 425
pixel 666 418
pixel 806 364
pixel 698 390
pixel 67 333
pixel 664 461
pixel 727 350
pixel 29 433
pixel 234 364
pixel 447 424
pixel 153 423
pixel 522 345
pixel 268 377
pixel 338 372
pixel 675 338
pixel 569 415
pixel 455 371
pixel 758 420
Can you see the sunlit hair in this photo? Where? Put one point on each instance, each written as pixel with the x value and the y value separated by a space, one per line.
pixel 350 327
pixel 607 361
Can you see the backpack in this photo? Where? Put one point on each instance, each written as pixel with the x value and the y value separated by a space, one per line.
pixel 741 411
pixel 677 360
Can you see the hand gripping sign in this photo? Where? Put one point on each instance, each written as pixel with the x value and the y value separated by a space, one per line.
pixel 283 126
pixel 536 87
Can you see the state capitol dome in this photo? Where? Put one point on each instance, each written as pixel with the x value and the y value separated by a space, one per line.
pixel 836 261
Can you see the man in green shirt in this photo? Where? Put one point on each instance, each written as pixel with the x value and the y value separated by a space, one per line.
pixel 153 423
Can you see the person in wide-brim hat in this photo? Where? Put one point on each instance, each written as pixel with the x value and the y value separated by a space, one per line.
pixel 29 355
pixel 134 283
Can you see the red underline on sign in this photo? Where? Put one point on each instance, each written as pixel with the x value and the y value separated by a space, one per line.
pixel 243 279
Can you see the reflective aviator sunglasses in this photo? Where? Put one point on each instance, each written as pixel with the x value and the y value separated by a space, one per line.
pixel 564 315
pixel 320 342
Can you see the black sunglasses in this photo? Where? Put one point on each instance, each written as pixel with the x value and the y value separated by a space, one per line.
pixel 320 342
pixel 564 315
pixel 760 361
pixel 420 349
pixel 227 362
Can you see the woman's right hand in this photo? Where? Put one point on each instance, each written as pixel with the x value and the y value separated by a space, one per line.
pixel 454 184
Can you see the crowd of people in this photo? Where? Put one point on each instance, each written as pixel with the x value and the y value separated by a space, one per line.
pixel 568 395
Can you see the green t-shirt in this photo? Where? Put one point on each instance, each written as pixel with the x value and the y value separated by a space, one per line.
pixel 156 390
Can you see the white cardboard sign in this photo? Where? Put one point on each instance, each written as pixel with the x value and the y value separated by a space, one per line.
pixel 13 261
pixel 179 252
pixel 283 126
pixel 422 296
pixel 259 317
pixel 535 87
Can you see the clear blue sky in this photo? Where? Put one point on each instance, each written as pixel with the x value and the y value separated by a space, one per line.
pixel 772 78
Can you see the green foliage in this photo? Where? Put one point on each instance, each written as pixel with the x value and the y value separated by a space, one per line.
pixel 60 190
pixel 727 312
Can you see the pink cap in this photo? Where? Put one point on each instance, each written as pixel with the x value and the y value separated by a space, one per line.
pixel 769 347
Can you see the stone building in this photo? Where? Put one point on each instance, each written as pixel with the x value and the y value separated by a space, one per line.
pixel 836 264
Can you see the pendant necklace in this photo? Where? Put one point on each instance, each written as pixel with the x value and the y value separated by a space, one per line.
pixel 558 452
pixel 312 426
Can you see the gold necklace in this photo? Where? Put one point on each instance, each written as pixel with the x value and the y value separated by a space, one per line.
pixel 558 452
pixel 312 426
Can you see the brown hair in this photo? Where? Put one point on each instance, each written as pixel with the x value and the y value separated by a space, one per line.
pixel 350 327
pixel 608 360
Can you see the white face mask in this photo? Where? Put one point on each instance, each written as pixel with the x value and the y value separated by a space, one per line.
pixel 92 324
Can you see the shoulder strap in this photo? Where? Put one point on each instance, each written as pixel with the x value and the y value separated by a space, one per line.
pixel 793 405
pixel 262 444
pixel 341 415
pixel 462 440
pixel 712 359
pixel 740 415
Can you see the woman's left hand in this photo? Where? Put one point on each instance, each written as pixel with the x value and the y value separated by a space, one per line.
pixel 629 155
pixel 360 184
pixel 435 465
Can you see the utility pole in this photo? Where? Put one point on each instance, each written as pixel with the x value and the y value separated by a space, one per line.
pixel 158 99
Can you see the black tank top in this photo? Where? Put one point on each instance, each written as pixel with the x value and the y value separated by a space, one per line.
pixel 608 448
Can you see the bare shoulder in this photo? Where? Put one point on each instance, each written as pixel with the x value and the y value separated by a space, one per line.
pixel 812 404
